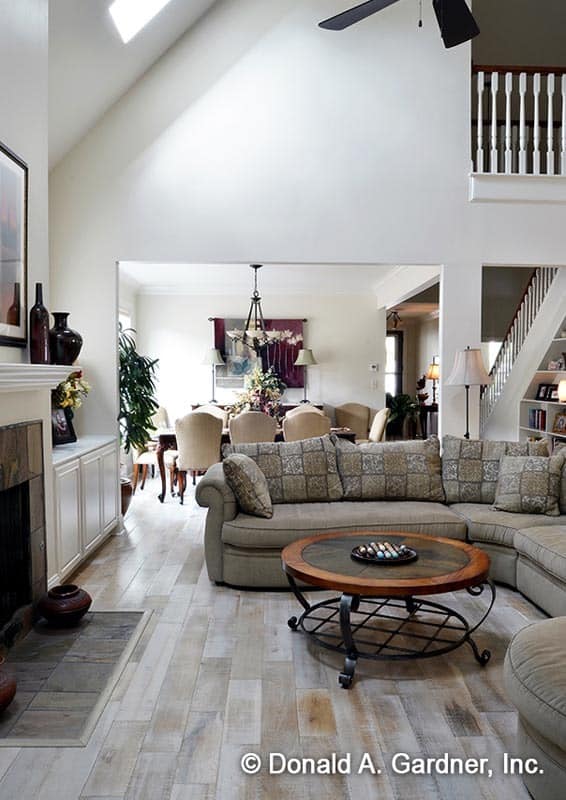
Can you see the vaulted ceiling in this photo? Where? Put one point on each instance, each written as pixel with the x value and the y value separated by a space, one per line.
pixel 90 68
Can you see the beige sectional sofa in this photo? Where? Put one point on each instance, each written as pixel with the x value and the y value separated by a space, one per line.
pixel 527 551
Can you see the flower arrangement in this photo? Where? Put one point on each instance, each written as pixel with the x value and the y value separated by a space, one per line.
pixel 70 392
pixel 263 392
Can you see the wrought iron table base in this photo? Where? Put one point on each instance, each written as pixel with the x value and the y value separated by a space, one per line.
pixel 331 625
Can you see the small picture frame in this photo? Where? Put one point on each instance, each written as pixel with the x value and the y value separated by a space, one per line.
pixel 62 426
pixel 559 425
pixel 552 395
pixel 543 391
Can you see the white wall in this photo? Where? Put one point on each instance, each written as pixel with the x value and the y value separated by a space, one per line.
pixel 260 137
pixel 345 332
pixel 23 126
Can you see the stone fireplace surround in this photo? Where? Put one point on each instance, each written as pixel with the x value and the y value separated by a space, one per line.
pixel 25 449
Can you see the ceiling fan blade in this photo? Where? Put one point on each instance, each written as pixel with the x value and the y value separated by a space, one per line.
pixel 455 20
pixel 356 14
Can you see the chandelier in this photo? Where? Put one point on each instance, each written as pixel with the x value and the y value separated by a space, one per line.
pixel 255 336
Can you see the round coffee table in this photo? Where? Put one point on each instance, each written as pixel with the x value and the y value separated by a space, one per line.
pixel 381 613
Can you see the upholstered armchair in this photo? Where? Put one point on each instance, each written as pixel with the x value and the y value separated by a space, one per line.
pixel 198 442
pixel 305 426
pixel 216 411
pixel 252 426
pixel 302 408
pixel 354 416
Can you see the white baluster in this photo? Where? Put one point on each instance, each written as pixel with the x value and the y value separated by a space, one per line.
pixel 550 122
pixel 479 150
pixel 536 124
pixel 522 125
pixel 563 148
pixel 508 150
pixel 494 136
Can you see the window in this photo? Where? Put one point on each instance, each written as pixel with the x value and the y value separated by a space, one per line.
pixel 394 362
pixel 125 319
pixel 130 16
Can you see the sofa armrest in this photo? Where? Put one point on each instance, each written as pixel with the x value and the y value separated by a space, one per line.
pixel 214 493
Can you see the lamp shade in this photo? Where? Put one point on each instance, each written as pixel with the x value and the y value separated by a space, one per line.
pixel 562 392
pixel 469 369
pixel 213 357
pixel 433 373
pixel 305 358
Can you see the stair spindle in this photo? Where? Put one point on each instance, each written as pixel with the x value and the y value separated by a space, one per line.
pixel 563 140
pixel 508 143
pixel 479 149
pixel 536 124
pixel 494 132
pixel 550 123
pixel 522 125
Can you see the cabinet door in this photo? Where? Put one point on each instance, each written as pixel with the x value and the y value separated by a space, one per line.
pixel 92 499
pixel 68 517
pixel 110 486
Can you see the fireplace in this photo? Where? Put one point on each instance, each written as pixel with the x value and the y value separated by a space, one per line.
pixel 23 569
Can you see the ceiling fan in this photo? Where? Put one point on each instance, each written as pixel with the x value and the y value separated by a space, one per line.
pixel 455 19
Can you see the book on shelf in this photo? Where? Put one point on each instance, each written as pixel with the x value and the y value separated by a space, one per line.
pixel 537 419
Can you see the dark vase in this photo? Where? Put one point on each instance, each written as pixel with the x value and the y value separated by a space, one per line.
pixel 7 689
pixel 39 330
pixel 64 606
pixel 13 313
pixel 126 491
pixel 65 344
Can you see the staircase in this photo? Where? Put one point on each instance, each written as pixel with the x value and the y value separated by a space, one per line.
pixel 521 324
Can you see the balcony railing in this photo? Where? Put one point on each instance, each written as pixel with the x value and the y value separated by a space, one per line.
pixel 519 125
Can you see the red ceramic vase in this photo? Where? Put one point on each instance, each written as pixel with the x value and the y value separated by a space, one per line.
pixel 64 606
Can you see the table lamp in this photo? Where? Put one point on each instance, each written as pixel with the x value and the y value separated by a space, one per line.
pixel 433 375
pixel 214 358
pixel 469 370
pixel 305 359
pixel 562 392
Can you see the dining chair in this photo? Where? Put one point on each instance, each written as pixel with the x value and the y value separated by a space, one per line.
pixel 305 426
pixel 146 457
pixel 198 442
pixel 302 408
pixel 354 416
pixel 216 411
pixel 252 426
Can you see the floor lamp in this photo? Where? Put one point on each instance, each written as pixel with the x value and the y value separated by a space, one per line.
pixel 305 359
pixel 214 358
pixel 469 370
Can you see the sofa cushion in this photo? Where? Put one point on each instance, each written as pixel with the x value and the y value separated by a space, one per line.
pixel 293 521
pixel 391 470
pixel 535 677
pixel 296 472
pixel 470 467
pixel 529 485
pixel 546 547
pixel 498 527
pixel 249 485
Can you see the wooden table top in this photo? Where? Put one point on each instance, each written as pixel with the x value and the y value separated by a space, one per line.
pixel 443 565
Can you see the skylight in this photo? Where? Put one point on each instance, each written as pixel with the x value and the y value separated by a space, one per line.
pixel 130 16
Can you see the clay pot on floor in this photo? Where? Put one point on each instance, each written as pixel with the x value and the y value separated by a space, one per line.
pixel 64 606
pixel 8 687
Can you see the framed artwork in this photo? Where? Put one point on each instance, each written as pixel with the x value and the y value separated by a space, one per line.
pixel 552 395
pixel 62 426
pixel 13 248
pixel 542 391
pixel 241 360
pixel 559 425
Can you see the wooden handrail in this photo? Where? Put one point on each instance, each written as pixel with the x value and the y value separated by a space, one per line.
pixel 510 326
pixel 517 70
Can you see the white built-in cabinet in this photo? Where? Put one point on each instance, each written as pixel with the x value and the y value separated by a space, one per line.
pixel 86 488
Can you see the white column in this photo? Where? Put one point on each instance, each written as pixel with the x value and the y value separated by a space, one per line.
pixel 460 289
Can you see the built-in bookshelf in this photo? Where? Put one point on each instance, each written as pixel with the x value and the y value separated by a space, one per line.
pixel 541 411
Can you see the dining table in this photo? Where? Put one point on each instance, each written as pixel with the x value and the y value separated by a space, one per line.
pixel 167 440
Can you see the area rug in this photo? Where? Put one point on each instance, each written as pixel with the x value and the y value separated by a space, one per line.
pixel 65 678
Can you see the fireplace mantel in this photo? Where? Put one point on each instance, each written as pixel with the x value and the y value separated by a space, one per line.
pixel 31 377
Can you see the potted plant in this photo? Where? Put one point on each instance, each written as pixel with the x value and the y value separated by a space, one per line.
pixel 137 400
pixel 404 414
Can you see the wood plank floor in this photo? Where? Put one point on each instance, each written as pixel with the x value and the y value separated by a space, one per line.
pixel 218 674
